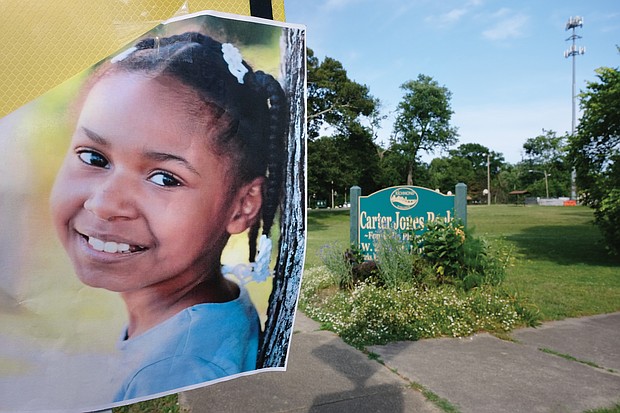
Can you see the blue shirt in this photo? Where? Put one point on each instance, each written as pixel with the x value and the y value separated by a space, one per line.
pixel 201 343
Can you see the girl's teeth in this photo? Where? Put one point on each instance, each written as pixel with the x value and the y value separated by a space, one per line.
pixel 97 244
pixel 122 247
pixel 109 247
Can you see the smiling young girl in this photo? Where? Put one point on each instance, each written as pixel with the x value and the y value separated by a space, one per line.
pixel 178 145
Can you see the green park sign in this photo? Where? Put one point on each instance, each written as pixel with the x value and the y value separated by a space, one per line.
pixel 400 209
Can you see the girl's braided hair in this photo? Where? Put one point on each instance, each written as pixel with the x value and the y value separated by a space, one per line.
pixel 251 112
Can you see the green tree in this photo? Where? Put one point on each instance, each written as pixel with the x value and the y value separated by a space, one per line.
pixel 448 171
pixel 507 180
pixel 595 152
pixel 362 157
pixel 479 156
pixel 545 149
pixel 334 100
pixel 393 168
pixel 326 157
pixel 545 162
pixel 346 114
pixel 422 122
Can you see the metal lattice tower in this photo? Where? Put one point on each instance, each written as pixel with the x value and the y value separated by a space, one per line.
pixel 574 51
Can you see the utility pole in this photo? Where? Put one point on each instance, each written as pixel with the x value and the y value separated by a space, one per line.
pixel 574 51
pixel 488 179
pixel 546 179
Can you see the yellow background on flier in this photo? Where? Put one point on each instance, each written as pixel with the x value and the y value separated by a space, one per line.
pixel 45 42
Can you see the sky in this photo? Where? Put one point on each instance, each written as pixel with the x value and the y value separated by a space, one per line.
pixel 503 61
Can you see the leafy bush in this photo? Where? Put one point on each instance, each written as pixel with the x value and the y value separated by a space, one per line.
pixel 595 152
pixel 443 246
pixel 456 255
pixel 608 219
pixel 446 249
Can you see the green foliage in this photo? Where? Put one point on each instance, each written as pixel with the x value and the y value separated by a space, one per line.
pixel 446 249
pixel 476 154
pixel 613 409
pixel 168 404
pixel 394 169
pixel 481 162
pixel 422 122
pixel 333 98
pixel 347 267
pixel 545 149
pixel 608 220
pixel 399 298
pixel 443 246
pixel 315 280
pixel 442 403
pixel 362 159
pixel 325 227
pixel 338 162
pixel 447 172
pixel 595 150
pixel 456 255
pixel 546 155
pixel 327 162
pixel 397 263
pixel 349 155
pixel 339 263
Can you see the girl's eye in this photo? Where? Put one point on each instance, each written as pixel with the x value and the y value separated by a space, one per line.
pixel 93 158
pixel 164 179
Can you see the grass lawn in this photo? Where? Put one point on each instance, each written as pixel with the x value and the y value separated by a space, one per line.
pixel 168 404
pixel 325 227
pixel 560 263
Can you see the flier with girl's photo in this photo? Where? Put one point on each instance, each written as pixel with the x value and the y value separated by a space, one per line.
pixel 152 226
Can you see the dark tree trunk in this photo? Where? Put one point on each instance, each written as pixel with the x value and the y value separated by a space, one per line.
pixel 287 275
pixel 410 174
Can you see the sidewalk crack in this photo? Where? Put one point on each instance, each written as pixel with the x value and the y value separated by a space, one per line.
pixel 575 359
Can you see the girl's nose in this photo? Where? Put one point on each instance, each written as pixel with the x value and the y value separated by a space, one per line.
pixel 111 200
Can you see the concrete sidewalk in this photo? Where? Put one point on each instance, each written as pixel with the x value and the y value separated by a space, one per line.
pixel 542 370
